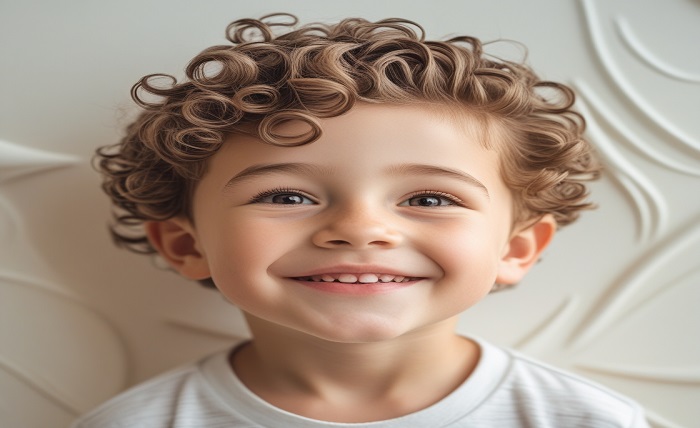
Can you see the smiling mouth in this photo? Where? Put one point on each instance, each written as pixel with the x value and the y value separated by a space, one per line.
pixel 364 278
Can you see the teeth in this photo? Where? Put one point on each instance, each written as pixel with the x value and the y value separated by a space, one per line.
pixel 364 278
pixel 347 278
pixel 367 278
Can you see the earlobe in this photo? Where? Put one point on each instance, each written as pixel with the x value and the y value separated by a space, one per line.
pixel 176 241
pixel 524 249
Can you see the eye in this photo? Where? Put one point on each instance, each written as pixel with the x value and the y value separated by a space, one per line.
pixel 282 197
pixel 431 199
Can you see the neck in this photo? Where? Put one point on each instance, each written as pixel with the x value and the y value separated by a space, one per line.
pixel 343 382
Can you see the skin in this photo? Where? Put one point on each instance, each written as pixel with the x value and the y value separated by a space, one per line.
pixel 400 190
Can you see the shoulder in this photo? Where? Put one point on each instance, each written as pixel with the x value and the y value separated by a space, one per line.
pixel 180 394
pixel 148 401
pixel 521 391
pixel 548 396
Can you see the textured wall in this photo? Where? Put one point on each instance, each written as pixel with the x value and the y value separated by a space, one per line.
pixel 614 299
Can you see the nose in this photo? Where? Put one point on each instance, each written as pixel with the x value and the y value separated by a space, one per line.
pixel 357 228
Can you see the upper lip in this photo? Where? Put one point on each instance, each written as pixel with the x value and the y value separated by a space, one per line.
pixel 355 269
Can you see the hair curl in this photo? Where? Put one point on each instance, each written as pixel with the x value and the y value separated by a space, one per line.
pixel 263 79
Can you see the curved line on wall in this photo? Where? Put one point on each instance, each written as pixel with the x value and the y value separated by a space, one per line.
pixel 635 99
pixel 663 288
pixel 651 207
pixel 44 388
pixel 64 294
pixel 552 325
pixel 658 421
pixel 635 45
pixel 73 298
pixel 647 221
pixel 606 115
pixel 202 330
pixel 613 305
pixel 17 161
pixel 673 375
pixel 45 287
pixel 10 221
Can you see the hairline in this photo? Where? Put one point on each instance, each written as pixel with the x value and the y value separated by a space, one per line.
pixel 491 132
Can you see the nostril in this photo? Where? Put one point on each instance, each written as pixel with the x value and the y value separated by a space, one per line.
pixel 338 242
pixel 355 235
pixel 380 243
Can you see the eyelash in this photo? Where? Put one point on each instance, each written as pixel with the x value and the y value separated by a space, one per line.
pixel 436 193
pixel 258 198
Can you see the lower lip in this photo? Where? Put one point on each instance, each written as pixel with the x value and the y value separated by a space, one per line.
pixel 357 289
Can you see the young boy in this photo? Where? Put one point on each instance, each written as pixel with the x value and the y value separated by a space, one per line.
pixel 352 189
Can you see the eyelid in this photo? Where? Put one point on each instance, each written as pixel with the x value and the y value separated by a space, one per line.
pixel 280 190
pixel 457 201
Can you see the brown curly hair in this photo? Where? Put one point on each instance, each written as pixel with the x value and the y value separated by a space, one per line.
pixel 264 78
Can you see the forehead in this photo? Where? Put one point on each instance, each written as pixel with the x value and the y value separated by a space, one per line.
pixel 370 142
pixel 415 126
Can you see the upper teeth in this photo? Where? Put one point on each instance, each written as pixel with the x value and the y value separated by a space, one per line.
pixel 350 278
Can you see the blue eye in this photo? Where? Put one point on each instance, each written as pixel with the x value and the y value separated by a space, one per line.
pixel 428 201
pixel 288 199
pixel 431 199
pixel 281 197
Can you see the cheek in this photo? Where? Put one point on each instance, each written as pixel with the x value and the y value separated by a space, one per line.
pixel 241 250
pixel 471 261
pixel 238 249
pixel 467 253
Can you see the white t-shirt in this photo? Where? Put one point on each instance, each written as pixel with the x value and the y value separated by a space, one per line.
pixel 506 390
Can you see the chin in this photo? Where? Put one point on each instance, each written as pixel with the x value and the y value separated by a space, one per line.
pixel 360 331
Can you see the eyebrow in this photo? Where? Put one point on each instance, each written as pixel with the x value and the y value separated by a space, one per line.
pixel 266 169
pixel 414 168
pixel 308 169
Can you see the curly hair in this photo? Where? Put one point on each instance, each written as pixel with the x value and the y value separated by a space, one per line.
pixel 263 79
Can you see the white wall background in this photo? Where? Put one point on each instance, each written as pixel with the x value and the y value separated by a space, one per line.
pixel 615 299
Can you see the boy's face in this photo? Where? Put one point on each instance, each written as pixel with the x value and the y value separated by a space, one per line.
pixel 304 237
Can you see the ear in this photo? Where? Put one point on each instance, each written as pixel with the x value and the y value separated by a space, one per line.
pixel 176 241
pixel 524 249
